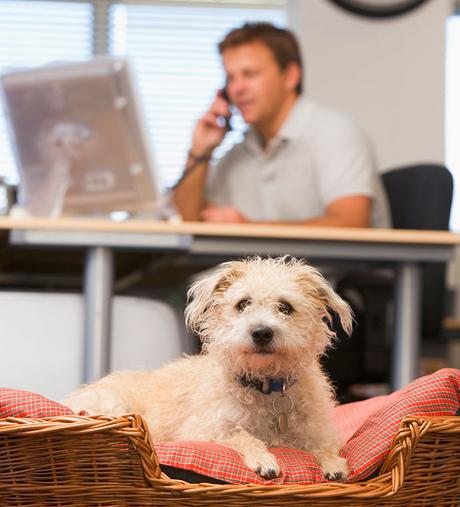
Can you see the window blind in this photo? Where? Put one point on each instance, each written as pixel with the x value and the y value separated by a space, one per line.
pixel 34 33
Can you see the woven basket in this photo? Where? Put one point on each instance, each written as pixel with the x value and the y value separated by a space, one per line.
pixel 110 461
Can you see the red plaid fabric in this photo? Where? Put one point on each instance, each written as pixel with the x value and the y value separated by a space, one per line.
pixel 350 416
pixel 369 427
pixel 215 460
pixel 16 403
pixel 434 395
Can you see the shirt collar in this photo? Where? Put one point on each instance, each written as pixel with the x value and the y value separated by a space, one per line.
pixel 290 129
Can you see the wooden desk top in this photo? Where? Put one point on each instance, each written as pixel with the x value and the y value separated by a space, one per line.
pixel 141 226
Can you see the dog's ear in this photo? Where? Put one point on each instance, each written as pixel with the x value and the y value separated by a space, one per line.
pixel 206 293
pixel 334 302
pixel 316 286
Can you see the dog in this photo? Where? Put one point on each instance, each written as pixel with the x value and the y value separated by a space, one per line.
pixel 264 324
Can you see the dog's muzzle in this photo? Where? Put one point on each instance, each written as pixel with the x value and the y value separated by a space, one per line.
pixel 262 335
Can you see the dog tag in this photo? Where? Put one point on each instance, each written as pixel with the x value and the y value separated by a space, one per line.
pixel 282 405
pixel 282 422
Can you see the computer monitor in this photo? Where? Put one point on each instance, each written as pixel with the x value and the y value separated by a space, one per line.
pixel 79 139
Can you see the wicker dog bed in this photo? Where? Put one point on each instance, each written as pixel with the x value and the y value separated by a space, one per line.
pixel 110 461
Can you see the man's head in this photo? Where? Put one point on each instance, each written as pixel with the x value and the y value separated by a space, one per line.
pixel 264 73
pixel 282 44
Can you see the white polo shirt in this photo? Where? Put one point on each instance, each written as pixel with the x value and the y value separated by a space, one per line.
pixel 318 156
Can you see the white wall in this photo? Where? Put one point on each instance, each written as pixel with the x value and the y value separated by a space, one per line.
pixel 389 74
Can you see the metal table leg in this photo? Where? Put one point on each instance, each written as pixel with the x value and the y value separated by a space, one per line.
pixel 98 281
pixel 407 324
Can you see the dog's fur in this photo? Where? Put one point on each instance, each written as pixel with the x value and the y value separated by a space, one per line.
pixel 203 397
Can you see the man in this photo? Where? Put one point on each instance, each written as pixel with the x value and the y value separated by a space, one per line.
pixel 300 163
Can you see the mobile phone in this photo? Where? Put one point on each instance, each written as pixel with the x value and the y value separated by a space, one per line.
pixel 224 94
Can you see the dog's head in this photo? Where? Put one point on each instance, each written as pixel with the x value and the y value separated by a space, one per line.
pixel 264 316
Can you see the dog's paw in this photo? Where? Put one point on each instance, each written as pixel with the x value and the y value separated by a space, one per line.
pixel 335 469
pixel 334 476
pixel 264 464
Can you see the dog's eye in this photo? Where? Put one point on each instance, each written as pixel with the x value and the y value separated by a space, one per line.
pixel 285 308
pixel 244 303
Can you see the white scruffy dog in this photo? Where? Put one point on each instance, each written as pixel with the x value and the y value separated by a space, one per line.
pixel 264 323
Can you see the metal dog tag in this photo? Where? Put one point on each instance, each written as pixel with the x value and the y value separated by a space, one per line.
pixel 282 406
pixel 283 403
pixel 282 422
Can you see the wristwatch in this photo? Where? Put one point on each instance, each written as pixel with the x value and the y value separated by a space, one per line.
pixel 378 8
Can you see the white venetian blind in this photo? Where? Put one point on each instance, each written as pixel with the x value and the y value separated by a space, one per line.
pixel 34 33
pixel 173 49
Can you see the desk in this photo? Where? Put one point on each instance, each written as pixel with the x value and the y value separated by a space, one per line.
pixel 402 248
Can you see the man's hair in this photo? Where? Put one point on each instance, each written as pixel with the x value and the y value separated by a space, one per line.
pixel 281 42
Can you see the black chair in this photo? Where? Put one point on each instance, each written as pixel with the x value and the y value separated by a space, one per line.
pixel 420 197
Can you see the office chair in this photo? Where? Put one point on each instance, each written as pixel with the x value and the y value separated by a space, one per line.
pixel 419 197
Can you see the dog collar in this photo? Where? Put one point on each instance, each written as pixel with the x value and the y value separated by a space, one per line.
pixel 269 385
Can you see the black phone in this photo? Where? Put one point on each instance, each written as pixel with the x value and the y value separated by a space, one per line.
pixel 224 94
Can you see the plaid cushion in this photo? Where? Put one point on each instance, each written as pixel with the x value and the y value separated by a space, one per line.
pixel 434 395
pixel 223 463
pixel 16 403
pixel 369 427
pixel 350 416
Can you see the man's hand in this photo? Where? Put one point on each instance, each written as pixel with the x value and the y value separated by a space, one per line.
pixel 223 214
pixel 210 130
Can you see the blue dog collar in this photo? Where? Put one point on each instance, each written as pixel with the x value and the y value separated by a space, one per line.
pixel 269 385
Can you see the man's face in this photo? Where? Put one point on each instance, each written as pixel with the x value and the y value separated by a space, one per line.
pixel 255 83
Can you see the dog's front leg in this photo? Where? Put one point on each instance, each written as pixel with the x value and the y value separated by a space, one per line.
pixel 325 445
pixel 254 451
pixel 333 466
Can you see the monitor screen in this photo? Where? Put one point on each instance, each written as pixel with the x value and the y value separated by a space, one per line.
pixel 79 138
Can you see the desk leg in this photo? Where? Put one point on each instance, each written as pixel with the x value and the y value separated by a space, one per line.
pixel 407 324
pixel 98 281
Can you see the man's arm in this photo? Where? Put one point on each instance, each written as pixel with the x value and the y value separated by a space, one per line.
pixel 189 194
pixel 208 134
pixel 346 174
pixel 352 211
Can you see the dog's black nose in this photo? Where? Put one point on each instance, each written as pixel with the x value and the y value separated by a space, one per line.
pixel 262 335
